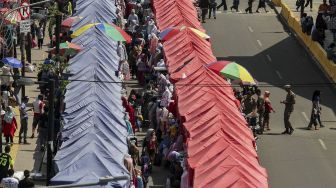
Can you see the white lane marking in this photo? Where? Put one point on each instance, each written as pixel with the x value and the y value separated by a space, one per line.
pixel 269 58
pixel 250 29
pixel 322 144
pixel 305 116
pixel 278 73
pixel 258 41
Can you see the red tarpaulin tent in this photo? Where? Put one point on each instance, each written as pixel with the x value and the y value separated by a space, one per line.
pixel 176 13
pixel 219 143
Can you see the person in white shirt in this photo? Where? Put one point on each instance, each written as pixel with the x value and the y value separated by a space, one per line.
pixel 132 21
pixel 10 181
pixel 38 110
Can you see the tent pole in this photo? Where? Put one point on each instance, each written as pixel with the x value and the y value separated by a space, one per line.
pixel 51 117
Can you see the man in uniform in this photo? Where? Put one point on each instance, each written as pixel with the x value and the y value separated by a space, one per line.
pixel 6 162
pixel 289 107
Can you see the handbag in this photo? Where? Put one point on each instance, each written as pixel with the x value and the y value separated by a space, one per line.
pixel 34 44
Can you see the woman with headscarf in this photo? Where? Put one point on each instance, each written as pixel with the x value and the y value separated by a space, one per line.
pixel 128 108
pixel 124 70
pixel 152 146
pixel 268 110
pixel 316 110
pixel 9 125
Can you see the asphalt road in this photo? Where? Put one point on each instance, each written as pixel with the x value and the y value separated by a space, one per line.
pixel 274 57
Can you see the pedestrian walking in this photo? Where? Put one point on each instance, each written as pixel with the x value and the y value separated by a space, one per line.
pixel 249 8
pixel 261 108
pixel 24 120
pixel 311 4
pixel 261 4
pixel 268 110
pixel 315 117
pixel 16 86
pixel 152 146
pixel 235 5
pixel 38 109
pixel 39 33
pixel 10 181
pixel 6 162
pixel 124 70
pixel 289 108
pixel 204 5
pixel 222 4
pixel 300 4
pixel 26 182
pixel 212 8
pixel 9 125
pixel 324 7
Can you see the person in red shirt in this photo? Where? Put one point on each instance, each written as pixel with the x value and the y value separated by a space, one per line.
pixel 268 109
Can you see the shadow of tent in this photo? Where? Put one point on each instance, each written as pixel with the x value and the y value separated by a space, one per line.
pixel 301 64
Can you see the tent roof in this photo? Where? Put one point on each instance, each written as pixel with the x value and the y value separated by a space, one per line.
pixel 225 170
pixel 97 146
pixel 187 49
pixel 102 166
pixel 176 12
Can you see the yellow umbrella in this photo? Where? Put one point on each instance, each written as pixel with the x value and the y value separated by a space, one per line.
pixel 172 31
pixel 232 70
pixel 82 30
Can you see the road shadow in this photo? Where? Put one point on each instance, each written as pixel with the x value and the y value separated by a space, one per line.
pixel 272 134
pixel 303 128
pixel 301 64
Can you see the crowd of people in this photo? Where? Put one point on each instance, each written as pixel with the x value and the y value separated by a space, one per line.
pixel 210 6
pixel 325 20
pixel 149 109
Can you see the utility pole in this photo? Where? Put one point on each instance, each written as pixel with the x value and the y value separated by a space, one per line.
pixel 23 58
pixel 51 119
pixel 58 27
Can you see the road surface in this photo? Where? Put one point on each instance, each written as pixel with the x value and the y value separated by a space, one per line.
pixel 261 43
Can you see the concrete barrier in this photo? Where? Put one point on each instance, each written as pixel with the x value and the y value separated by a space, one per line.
pixel 315 48
pixel 276 2
pixel 285 11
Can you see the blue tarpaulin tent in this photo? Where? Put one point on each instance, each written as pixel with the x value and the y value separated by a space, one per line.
pixel 94 132
pixel 92 11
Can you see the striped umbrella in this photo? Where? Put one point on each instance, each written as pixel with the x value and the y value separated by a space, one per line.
pixel 111 30
pixel 232 70
pixel 172 31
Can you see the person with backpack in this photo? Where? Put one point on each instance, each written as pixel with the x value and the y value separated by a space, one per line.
pixel 262 4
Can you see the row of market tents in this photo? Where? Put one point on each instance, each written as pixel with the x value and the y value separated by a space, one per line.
pixel 219 142
pixel 94 131
pixel 220 145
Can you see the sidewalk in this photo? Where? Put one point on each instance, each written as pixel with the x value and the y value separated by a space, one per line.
pixel 291 4
pixel 26 156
